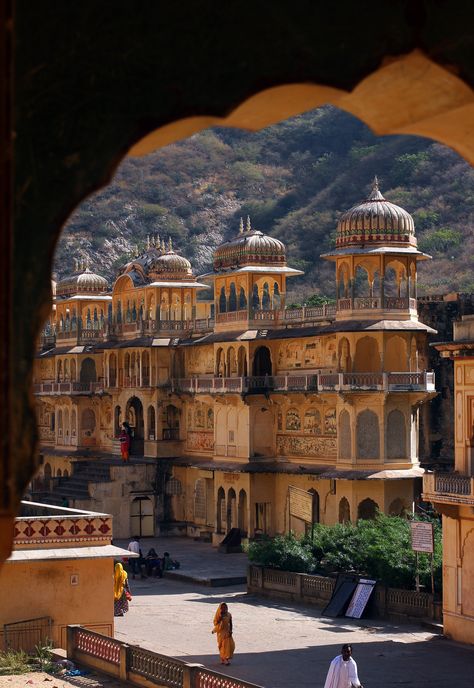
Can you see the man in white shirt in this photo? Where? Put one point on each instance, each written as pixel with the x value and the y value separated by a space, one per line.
pixel 343 671
pixel 135 564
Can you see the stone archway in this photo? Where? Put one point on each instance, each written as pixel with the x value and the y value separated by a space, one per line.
pixel 436 103
pixel 134 417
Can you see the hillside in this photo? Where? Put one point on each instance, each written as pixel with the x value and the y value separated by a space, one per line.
pixel 294 179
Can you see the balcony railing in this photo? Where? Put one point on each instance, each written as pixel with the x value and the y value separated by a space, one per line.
pixel 448 488
pixel 332 382
pixel 279 316
pixel 392 303
pixel 68 387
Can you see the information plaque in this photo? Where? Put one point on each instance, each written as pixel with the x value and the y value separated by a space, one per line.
pixel 422 536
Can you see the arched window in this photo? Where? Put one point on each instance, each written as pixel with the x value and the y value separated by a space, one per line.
pixel 368 435
pixel 113 370
pixel 151 423
pixel 146 368
pixel 343 282
pixel 66 370
pixel 242 362
pixel 367 509
pixel 242 513
pixel 170 423
pixel 88 372
pixel 127 365
pixel 266 301
pixel 390 283
pixel 231 509
pixel 345 363
pixel 396 354
pixel 109 314
pixel 231 362
pixel 73 423
pixel 232 298
pixel 59 473
pixel 276 298
pixel 220 363
pixel 96 320
pixel 73 371
pixel 345 444
pixel 255 298
pixel 221 510
pixel 367 357
pixel 134 312
pixel 117 419
pixel 65 473
pixel 200 510
pixel 242 299
pixel 361 282
pixel 88 319
pixel 262 362
pixel 60 423
pixel 119 312
pixel 396 435
pixel 397 508
pixel 66 424
pixel 222 301
pixel 59 371
pixel 344 511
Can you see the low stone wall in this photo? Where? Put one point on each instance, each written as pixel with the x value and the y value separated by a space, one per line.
pixel 392 603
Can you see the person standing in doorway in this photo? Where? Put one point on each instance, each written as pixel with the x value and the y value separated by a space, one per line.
pixel 223 628
pixel 343 671
pixel 125 442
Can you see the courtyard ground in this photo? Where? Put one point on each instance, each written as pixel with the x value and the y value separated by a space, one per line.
pixel 278 644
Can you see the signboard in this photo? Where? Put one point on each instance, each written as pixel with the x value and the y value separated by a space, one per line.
pixel 360 598
pixel 422 537
pixel 301 504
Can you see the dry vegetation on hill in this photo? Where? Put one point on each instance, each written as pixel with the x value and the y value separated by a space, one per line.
pixel 294 179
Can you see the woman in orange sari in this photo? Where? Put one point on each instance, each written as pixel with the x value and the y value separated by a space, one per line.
pixel 223 628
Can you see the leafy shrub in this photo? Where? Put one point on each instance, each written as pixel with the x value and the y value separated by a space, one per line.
pixel 285 552
pixel 379 549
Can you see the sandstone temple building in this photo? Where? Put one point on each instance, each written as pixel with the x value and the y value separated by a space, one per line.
pixel 243 411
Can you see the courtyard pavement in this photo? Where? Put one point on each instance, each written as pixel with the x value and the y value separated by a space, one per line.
pixel 278 644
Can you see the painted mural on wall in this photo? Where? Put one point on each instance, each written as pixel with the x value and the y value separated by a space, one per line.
pixel 200 416
pixel 200 441
pixel 199 360
pixel 301 445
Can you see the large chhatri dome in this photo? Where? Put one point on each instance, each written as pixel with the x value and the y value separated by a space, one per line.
pixel 375 221
pixel 249 247
pixel 158 262
pixel 82 282
pixel 171 265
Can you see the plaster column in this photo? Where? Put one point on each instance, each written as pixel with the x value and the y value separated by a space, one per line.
pixel 140 368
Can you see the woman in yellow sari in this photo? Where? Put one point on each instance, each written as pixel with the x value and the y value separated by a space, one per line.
pixel 121 588
pixel 223 628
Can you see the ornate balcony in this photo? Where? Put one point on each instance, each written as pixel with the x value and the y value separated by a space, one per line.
pixel 334 382
pixel 277 317
pixel 448 488
pixel 390 303
pixel 54 388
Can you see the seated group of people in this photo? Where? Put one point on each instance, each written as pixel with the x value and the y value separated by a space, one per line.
pixel 151 563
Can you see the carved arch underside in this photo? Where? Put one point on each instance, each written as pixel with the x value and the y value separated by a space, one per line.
pixel 425 100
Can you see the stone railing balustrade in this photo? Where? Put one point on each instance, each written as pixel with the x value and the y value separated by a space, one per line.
pixel 140 667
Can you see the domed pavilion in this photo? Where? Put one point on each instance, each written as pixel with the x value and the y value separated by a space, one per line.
pixel 376 259
pixel 249 277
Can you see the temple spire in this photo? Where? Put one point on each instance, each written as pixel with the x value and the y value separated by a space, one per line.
pixel 375 194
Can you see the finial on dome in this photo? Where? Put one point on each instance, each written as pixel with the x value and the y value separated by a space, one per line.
pixel 241 226
pixel 147 242
pixel 170 244
pixel 375 194
pixel 76 265
pixel 163 246
pixel 248 227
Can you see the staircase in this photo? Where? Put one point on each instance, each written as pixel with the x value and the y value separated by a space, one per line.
pixel 76 486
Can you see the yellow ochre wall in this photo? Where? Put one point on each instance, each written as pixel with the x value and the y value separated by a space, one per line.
pixel 43 588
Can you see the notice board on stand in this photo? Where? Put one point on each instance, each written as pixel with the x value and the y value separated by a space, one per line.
pixel 360 598
pixel 346 584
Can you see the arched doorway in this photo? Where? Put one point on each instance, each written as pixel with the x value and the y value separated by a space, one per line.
pixel 231 509
pixel 367 509
pixel 344 511
pixel 141 517
pixel 134 417
pixel 221 510
pixel 242 513
pixel 88 372
pixel 262 362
